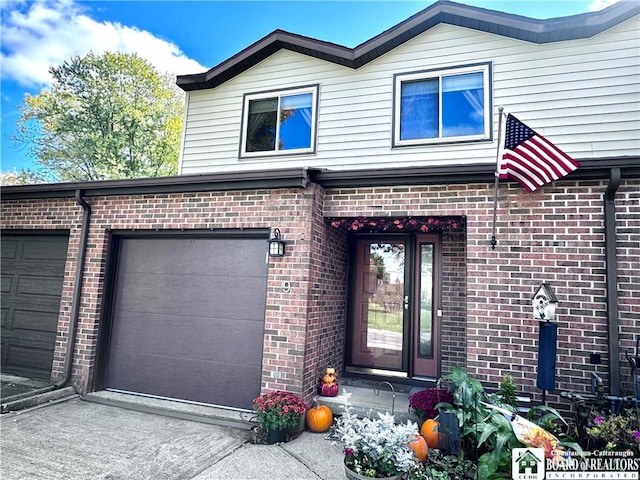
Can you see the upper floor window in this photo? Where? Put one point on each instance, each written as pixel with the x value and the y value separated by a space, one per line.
pixel 442 106
pixel 280 122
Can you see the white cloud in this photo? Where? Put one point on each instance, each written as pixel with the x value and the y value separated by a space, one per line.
pixel 36 35
pixel 600 4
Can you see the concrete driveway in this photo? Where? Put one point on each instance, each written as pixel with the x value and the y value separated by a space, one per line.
pixel 75 439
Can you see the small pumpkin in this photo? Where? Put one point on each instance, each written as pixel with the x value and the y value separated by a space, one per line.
pixel 319 418
pixel 429 431
pixel 329 389
pixel 330 371
pixel 420 448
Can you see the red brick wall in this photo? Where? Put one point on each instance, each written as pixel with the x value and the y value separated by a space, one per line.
pixel 286 315
pixel 628 264
pixel 454 302
pixel 327 298
pixel 554 235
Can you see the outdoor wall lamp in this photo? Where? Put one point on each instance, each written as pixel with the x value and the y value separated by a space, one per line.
pixel 544 303
pixel 276 244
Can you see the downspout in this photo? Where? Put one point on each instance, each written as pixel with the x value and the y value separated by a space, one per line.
pixel 77 289
pixel 611 269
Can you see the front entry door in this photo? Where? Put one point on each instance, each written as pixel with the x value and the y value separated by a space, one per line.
pixel 393 308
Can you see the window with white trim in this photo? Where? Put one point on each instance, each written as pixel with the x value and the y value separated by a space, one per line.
pixel 442 106
pixel 277 123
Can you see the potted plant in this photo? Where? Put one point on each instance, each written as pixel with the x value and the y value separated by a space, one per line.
pixel 278 412
pixel 376 448
pixel 422 404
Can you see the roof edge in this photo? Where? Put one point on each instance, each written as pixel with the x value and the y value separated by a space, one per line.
pixel 263 179
pixel 598 169
pixel 528 29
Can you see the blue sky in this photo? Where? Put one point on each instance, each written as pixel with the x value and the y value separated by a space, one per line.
pixel 188 36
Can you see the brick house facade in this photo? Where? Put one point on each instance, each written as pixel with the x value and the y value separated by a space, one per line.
pixel 580 234
pixel 304 329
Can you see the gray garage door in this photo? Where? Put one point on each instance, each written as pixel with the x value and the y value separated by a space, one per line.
pixel 32 275
pixel 188 319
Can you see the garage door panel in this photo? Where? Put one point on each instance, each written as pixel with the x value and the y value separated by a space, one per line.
pixel 41 285
pixel 25 359
pixel 146 334
pixel 207 295
pixel 231 385
pixel 36 303
pixel 188 319
pixel 35 321
pixel 216 257
pixel 32 279
pixel 9 249
pixel 5 284
pixel 35 269
pixel 36 340
pixel 44 249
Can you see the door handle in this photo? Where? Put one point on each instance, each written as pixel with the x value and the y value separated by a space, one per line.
pixel 406 302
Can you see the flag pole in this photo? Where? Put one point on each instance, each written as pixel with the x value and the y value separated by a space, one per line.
pixel 494 242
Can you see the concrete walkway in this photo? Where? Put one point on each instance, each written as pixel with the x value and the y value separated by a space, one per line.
pixel 75 439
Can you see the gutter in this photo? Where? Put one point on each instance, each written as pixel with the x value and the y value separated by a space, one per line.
pixel 210 182
pixel 611 269
pixel 590 169
pixel 77 289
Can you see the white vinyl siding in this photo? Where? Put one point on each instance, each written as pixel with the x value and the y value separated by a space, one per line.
pixel 583 95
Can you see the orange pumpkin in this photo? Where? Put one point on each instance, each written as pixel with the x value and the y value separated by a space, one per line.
pixel 420 448
pixel 319 418
pixel 429 431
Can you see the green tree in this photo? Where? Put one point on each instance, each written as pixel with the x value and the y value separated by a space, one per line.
pixel 23 177
pixel 105 116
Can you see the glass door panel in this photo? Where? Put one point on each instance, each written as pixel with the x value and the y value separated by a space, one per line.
pixel 379 304
pixel 425 325
pixel 425 320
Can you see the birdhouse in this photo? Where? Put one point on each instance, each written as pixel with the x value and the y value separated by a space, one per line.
pixel 544 303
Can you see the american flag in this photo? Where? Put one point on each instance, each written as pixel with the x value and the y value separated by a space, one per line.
pixel 531 159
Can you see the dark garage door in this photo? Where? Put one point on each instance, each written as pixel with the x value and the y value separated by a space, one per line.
pixel 32 276
pixel 188 319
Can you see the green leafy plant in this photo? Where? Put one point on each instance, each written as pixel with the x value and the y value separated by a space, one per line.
pixel 507 392
pixel 278 410
pixel 487 435
pixel 449 467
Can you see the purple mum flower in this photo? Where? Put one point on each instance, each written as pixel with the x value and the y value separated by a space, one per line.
pixel 636 434
pixel 598 420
